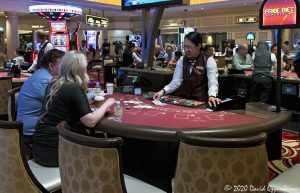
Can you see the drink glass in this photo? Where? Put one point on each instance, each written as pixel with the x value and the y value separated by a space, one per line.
pixel 110 88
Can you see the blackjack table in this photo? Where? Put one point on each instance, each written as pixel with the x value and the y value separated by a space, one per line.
pixel 150 146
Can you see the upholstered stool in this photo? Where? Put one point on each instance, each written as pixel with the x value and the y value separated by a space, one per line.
pixel 287 182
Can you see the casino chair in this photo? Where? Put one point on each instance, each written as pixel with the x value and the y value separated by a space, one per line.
pixel 6 85
pixel 89 165
pixel 287 182
pixel 17 174
pixel 89 58
pixel 209 164
pixel 13 103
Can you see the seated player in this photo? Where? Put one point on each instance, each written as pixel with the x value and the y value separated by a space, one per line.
pixel 242 60
pixel 30 100
pixel 65 100
pixel 173 62
pixel 194 77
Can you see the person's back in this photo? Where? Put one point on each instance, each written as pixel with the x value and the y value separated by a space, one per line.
pixel 262 77
pixel 262 62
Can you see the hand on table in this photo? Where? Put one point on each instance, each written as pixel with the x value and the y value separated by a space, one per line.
pixel 213 101
pixel 158 95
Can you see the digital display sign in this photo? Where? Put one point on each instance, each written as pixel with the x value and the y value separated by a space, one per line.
pixel 58 26
pixel 279 14
pixel 137 4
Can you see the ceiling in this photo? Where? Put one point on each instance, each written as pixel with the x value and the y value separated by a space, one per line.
pixel 115 13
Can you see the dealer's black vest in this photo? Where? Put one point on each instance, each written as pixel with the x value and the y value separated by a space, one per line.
pixel 41 54
pixel 194 84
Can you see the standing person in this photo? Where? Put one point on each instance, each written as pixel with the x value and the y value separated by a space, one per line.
pixel 242 60
pixel 105 48
pixel 262 77
pixel 296 63
pixel 65 100
pixel 31 96
pixel 44 47
pixel 129 55
pixel 193 76
pixel 83 47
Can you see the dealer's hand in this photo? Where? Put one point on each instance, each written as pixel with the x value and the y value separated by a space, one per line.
pixel 158 95
pixel 213 101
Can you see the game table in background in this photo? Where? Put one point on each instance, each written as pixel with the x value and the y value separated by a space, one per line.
pixel 150 146
pixel 16 82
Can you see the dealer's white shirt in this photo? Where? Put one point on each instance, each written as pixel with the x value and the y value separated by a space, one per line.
pixel 212 75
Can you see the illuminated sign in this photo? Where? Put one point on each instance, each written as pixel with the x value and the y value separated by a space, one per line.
pixel 279 14
pixel 58 26
pixel 250 36
pixel 246 19
pixel 96 21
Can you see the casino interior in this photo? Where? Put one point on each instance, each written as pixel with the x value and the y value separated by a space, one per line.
pixel 178 143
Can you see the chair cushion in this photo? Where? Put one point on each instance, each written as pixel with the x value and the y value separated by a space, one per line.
pixel 288 181
pixel 134 185
pixel 49 177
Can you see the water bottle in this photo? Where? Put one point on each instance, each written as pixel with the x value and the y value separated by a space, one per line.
pixel 98 88
pixel 118 111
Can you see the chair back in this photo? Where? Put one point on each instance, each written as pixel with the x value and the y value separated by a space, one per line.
pixel 214 164
pixel 15 173
pixel 13 103
pixel 6 85
pixel 89 164
pixel 89 56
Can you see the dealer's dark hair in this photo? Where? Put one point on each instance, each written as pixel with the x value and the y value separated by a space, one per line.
pixel 50 57
pixel 195 38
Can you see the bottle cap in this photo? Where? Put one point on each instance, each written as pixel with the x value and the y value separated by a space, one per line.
pixel 117 102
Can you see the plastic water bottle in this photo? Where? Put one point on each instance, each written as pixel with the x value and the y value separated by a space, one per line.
pixel 118 112
pixel 98 88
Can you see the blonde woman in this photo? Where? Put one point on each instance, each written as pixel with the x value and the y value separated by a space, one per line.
pixel 65 101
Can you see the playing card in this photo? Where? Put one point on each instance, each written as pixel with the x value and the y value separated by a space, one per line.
pixel 158 103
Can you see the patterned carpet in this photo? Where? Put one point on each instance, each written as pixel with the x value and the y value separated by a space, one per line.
pixel 290 154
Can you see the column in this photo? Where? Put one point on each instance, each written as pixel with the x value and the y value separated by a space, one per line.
pixel 12 34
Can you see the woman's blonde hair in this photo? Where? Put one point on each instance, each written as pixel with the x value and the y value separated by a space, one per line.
pixel 72 70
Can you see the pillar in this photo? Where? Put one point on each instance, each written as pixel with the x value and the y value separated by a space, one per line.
pixel 12 34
